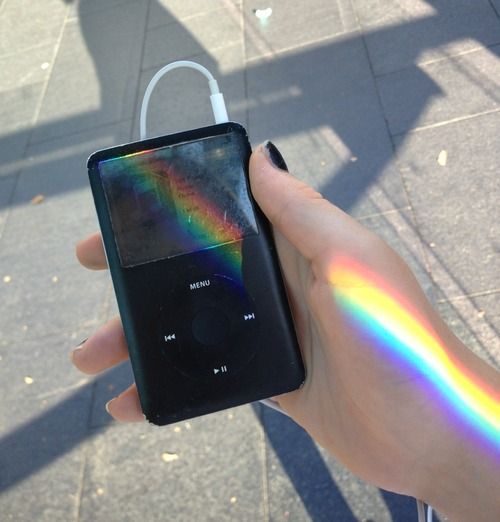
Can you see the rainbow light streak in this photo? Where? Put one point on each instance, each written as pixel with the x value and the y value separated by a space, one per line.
pixel 382 314
pixel 200 220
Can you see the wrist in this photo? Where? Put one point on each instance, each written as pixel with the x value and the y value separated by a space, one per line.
pixel 463 486
pixel 461 472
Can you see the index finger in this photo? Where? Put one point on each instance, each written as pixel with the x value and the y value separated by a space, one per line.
pixel 90 252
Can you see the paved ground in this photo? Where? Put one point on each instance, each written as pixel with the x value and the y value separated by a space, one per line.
pixel 390 107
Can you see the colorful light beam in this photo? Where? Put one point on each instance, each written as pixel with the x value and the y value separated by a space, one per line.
pixel 401 332
pixel 199 224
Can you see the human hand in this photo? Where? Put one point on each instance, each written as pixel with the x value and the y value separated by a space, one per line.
pixel 390 391
pixel 374 414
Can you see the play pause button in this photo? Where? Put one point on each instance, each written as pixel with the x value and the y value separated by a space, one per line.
pixel 222 369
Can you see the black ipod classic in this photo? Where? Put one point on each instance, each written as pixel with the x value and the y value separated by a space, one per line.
pixel 195 273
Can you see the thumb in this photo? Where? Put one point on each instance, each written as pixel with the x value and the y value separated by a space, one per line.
pixel 302 215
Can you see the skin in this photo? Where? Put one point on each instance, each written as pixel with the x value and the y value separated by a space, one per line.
pixel 381 422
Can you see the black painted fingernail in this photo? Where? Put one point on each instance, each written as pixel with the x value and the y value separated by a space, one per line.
pixel 76 349
pixel 275 156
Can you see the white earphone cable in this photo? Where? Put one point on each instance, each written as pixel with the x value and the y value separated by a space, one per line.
pixel 216 97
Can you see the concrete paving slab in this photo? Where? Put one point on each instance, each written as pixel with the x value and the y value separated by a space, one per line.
pixel 476 321
pixel 181 100
pixel 209 468
pixel 401 33
pixel 58 167
pixel 294 24
pixel 50 494
pixel 305 483
pixel 210 30
pixel 30 366
pixel 26 67
pixel 18 108
pixel 442 91
pixel 95 75
pixel 64 210
pixel 7 186
pixel 300 483
pixel 12 148
pixel 282 96
pixel 162 11
pixel 351 182
pixel 83 7
pixel 399 230
pixel 42 419
pixel 44 298
pixel 331 131
pixel 456 205
pixel 44 293
pixel 27 24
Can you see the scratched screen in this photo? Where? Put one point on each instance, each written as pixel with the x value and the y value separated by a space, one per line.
pixel 178 199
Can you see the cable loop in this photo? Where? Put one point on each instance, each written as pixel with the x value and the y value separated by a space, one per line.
pixel 216 98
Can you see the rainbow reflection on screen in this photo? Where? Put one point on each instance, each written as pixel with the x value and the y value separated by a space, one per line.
pixel 198 217
pixel 201 219
pixel 399 330
pixel 180 199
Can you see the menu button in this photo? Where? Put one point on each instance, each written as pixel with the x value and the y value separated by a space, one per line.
pixel 199 284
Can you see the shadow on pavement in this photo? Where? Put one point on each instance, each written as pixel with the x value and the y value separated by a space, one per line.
pixel 58 430
pixel 305 467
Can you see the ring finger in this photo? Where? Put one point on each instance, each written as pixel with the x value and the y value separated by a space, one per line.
pixel 105 348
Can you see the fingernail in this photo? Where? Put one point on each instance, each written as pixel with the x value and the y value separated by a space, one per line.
pixel 274 155
pixel 107 405
pixel 77 349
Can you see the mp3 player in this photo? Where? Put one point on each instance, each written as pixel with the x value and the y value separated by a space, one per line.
pixel 195 272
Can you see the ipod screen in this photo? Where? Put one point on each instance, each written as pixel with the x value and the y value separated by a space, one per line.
pixel 178 199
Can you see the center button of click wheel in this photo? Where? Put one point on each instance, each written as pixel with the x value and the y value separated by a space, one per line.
pixel 210 326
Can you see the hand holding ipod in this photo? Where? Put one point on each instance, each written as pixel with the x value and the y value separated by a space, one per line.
pixel 355 402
